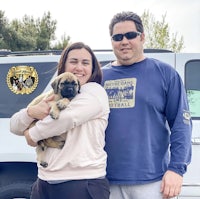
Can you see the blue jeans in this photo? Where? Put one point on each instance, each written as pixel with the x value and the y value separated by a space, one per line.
pixel 74 189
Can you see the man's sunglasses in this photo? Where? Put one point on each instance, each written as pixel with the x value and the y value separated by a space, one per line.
pixel 128 35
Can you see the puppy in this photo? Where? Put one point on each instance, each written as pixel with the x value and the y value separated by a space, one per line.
pixel 65 87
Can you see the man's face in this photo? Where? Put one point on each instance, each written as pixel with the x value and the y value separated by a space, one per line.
pixel 127 51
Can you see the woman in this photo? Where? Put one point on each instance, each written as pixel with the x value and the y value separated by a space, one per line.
pixel 78 169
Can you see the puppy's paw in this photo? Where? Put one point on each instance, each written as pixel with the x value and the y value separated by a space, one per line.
pixel 54 114
pixel 43 164
pixel 61 105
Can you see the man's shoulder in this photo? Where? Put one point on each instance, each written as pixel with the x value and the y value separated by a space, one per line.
pixel 107 66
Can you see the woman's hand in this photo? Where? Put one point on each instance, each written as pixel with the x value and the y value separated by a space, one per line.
pixel 40 110
pixel 28 139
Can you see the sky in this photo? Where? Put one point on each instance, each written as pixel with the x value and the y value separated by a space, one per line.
pixel 88 20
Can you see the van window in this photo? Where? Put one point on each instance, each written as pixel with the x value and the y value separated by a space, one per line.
pixel 192 83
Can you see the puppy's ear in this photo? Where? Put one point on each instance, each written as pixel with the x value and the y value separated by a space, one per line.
pixel 79 87
pixel 55 84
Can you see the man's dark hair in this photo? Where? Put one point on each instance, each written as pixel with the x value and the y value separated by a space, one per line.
pixel 126 16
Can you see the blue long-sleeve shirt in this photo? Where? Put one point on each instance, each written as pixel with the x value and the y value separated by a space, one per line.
pixel 146 100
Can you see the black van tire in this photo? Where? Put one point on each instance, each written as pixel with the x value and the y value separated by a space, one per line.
pixel 16 190
pixel 16 179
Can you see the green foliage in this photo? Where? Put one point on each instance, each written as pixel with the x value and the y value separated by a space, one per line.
pixel 65 41
pixel 24 34
pixel 3 30
pixel 45 32
pixel 158 36
pixel 28 34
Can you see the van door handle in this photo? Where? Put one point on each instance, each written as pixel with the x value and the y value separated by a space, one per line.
pixel 196 141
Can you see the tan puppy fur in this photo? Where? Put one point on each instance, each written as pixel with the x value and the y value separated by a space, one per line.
pixel 65 87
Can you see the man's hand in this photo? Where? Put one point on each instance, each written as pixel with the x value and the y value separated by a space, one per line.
pixel 171 184
pixel 28 139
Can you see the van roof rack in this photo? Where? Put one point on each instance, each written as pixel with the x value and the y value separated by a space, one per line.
pixel 6 53
pixel 27 53
pixel 154 50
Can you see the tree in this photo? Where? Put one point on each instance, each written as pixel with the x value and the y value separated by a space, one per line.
pixel 27 34
pixel 158 34
pixel 65 41
pixel 3 30
pixel 45 32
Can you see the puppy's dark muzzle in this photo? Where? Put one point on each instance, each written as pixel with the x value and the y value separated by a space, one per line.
pixel 68 92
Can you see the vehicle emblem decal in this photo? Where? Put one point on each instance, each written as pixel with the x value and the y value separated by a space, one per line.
pixel 22 79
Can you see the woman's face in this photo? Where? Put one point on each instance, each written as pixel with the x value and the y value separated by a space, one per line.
pixel 79 62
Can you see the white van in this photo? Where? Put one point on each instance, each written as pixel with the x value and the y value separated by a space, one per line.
pixel 23 76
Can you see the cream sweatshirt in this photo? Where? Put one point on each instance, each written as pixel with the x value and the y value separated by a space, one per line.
pixel 85 120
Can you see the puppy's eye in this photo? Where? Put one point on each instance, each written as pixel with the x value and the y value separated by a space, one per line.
pixel 74 83
pixel 62 84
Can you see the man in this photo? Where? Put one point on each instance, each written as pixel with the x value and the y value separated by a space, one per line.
pixel 148 138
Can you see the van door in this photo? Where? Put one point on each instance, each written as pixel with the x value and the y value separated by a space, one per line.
pixel 16 92
pixel 188 66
